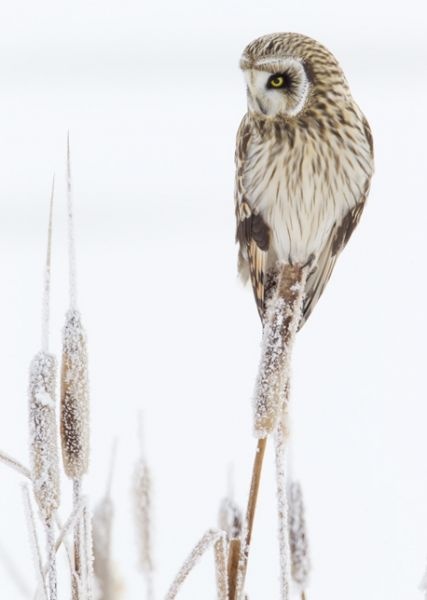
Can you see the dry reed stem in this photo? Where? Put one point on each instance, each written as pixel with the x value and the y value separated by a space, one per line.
pixel 14 464
pixel 209 538
pixel 234 547
pixel 250 515
pixel 34 541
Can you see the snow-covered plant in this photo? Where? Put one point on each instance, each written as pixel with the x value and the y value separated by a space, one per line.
pixel 300 558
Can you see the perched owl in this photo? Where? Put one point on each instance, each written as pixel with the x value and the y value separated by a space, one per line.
pixel 304 161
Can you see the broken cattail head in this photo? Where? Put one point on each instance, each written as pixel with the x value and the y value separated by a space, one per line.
pixel 300 560
pixel 43 438
pixel 74 398
pixel 230 518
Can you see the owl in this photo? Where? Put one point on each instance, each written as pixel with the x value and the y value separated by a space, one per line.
pixel 304 162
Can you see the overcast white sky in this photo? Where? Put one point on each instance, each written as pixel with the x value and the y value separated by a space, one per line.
pixel 152 95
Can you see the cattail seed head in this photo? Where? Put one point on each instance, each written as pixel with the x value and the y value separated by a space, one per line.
pixel 74 398
pixel 142 495
pixel 43 438
pixel 298 535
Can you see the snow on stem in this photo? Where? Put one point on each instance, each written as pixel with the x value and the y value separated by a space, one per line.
pixel 210 538
pixel 71 238
pixel 283 512
pixel 46 286
pixel 14 464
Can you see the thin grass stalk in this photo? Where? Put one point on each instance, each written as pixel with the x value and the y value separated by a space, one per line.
pixel 87 554
pixel 34 541
pixel 250 516
pixel 14 464
pixel 209 539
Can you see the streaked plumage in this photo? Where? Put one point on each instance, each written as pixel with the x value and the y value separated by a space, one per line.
pixel 304 161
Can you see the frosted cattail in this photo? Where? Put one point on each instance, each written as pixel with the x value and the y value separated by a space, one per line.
pixel 282 510
pixel 43 438
pixel 142 500
pixel 74 398
pixel 211 537
pixel 108 582
pixel 283 315
pixel 298 536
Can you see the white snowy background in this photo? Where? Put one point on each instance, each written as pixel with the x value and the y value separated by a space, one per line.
pixel 152 95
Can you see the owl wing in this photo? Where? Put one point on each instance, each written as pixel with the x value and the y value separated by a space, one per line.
pixel 252 233
pixel 319 277
pixel 338 238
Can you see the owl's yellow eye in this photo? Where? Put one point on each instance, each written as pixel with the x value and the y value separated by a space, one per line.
pixel 278 81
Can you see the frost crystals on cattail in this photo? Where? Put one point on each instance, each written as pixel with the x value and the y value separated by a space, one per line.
pixel 283 315
pixel 211 537
pixel 74 398
pixel 298 536
pixel 44 453
pixel 283 513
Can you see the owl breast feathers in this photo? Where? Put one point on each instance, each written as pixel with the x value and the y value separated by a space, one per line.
pixel 304 161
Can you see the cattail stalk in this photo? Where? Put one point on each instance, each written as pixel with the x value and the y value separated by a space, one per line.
pixel 280 326
pixel 42 416
pixel 74 388
pixel 34 542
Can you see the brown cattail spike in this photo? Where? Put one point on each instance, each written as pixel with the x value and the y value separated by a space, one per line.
pixel 44 452
pixel 298 536
pixel 74 398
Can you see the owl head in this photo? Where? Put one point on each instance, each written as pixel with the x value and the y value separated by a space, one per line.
pixel 286 72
